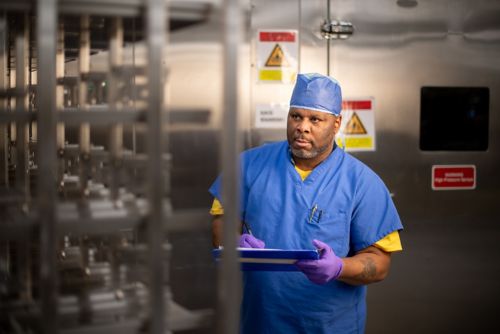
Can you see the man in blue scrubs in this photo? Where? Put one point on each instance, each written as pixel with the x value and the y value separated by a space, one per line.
pixel 307 192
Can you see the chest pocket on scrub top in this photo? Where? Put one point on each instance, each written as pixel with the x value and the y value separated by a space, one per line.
pixel 330 227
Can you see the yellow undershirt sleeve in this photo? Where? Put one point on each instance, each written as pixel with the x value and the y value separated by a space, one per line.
pixel 390 243
pixel 217 208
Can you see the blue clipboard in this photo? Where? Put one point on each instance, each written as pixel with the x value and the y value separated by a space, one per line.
pixel 262 259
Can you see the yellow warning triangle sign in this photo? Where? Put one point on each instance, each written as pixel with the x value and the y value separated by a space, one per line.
pixel 277 58
pixel 355 126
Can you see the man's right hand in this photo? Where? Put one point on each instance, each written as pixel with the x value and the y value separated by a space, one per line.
pixel 249 241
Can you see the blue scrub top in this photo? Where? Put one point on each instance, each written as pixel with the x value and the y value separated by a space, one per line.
pixel 353 211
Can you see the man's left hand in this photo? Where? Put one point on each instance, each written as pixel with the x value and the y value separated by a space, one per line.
pixel 327 268
pixel 249 241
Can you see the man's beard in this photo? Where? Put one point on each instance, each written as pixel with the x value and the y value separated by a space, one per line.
pixel 313 153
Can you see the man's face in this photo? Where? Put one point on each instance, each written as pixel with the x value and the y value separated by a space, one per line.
pixel 311 133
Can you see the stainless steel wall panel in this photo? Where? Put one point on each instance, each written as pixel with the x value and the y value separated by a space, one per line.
pixel 393 53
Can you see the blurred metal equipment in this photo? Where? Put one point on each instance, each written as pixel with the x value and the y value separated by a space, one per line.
pixel 83 221
pixel 229 283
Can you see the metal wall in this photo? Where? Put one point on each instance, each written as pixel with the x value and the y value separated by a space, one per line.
pixel 445 280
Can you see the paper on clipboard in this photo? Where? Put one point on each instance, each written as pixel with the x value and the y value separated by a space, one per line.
pixel 265 259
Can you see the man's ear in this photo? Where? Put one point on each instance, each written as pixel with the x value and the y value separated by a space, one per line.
pixel 337 122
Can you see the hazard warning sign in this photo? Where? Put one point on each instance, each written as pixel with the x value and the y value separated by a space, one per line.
pixel 277 58
pixel 357 131
pixel 277 55
pixel 355 126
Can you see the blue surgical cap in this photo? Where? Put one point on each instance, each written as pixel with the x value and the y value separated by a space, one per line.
pixel 317 92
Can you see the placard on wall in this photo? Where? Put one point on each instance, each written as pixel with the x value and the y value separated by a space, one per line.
pixel 277 55
pixel 271 116
pixel 453 177
pixel 357 131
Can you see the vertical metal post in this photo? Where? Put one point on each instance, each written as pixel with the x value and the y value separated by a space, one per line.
pixel 116 133
pixel 12 105
pixel 22 151
pixel 61 136
pixel 5 260
pixel 134 88
pixel 156 38
pixel 115 60
pixel 29 102
pixel 46 42
pixel 4 179
pixel 328 42
pixel 229 279
pixel 84 68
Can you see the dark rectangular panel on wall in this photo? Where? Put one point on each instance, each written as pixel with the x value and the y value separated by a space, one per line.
pixel 454 118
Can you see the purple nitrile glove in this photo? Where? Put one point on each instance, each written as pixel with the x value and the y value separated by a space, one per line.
pixel 249 241
pixel 327 268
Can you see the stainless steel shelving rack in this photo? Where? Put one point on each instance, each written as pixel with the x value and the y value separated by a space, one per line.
pixel 40 168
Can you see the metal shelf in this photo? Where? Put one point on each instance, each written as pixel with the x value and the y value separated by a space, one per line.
pixel 76 116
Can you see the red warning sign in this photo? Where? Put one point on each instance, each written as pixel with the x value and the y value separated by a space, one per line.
pixel 453 177
pixel 277 36
pixel 357 104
